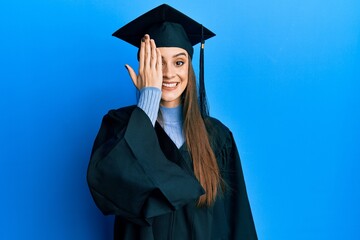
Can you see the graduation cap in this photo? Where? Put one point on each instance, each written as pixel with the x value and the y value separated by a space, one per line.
pixel 170 28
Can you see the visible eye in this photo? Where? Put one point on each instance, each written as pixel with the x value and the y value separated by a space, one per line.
pixel 179 63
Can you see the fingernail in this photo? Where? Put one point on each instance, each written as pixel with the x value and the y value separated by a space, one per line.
pixel 143 39
pixel 126 67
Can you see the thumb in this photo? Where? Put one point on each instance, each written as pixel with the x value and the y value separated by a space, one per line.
pixel 132 74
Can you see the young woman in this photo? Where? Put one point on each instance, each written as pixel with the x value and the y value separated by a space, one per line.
pixel 164 168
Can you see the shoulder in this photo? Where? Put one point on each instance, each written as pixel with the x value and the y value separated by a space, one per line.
pixel 122 112
pixel 119 115
pixel 219 134
pixel 117 118
pixel 216 127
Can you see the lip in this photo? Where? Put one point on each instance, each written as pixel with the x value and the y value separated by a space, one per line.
pixel 170 85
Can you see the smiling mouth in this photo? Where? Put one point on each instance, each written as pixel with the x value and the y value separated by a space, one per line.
pixel 170 85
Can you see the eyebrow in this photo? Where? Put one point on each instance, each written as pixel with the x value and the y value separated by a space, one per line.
pixel 179 54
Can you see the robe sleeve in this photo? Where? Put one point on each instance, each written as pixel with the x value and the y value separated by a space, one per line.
pixel 237 204
pixel 128 174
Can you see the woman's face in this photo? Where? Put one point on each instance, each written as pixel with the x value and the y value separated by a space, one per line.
pixel 175 75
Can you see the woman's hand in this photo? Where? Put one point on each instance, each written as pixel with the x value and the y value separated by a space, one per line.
pixel 150 65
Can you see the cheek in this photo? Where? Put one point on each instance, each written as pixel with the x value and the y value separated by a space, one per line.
pixel 184 74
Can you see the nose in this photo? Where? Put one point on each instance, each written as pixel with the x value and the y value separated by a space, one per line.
pixel 168 71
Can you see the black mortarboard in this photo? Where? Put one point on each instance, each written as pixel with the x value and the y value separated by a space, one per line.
pixel 169 28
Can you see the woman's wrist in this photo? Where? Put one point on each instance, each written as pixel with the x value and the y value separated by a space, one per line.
pixel 149 102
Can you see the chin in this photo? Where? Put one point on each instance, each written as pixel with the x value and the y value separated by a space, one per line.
pixel 170 101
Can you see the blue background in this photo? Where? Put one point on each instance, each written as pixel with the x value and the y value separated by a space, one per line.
pixel 282 75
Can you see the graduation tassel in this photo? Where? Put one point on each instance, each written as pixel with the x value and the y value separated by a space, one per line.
pixel 202 93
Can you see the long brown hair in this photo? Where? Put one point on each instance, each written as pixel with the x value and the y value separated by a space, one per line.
pixel 205 165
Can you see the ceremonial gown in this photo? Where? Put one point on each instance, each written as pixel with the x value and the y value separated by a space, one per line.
pixel 139 175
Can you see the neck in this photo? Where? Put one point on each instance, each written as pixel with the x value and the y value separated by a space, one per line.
pixel 173 114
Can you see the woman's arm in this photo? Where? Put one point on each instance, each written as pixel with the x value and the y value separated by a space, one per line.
pixel 129 175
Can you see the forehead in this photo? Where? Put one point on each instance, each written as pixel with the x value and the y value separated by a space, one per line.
pixel 170 52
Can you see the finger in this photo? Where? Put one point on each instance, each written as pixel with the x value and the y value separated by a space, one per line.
pixel 142 55
pixel 159 62
pixel 153 59
pixel 132 74
pixel 147 51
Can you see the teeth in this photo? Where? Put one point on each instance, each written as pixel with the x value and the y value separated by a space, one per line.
pixel 170 85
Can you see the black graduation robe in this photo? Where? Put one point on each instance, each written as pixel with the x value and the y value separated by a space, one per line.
pixel 138 174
